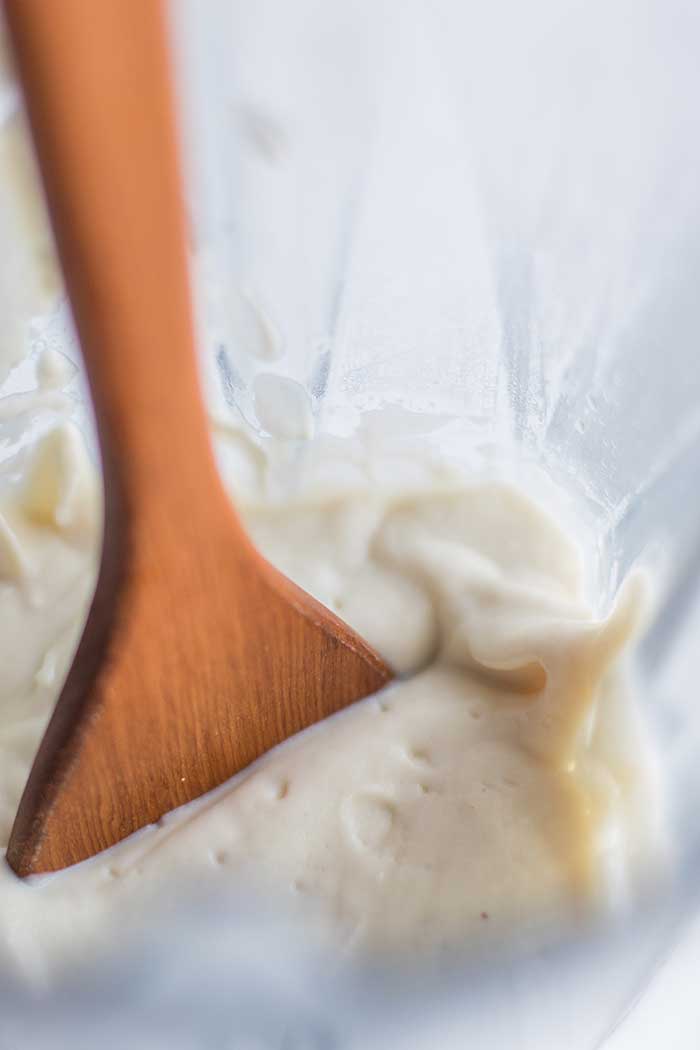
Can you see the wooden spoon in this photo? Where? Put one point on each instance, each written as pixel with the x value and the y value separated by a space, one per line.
pixel 197 655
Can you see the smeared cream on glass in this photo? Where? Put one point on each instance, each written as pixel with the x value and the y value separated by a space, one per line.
pixel 501 788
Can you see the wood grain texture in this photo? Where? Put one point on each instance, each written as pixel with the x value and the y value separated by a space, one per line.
pixel 197 656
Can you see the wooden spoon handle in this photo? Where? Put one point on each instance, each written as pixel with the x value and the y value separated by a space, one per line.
pixel 97 84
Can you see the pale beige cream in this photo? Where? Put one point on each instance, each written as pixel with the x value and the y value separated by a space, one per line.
pixel 502 788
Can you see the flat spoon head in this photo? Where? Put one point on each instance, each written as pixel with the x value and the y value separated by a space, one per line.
pixel 197 656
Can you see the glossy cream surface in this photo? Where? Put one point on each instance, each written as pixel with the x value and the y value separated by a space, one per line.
pixel 501 789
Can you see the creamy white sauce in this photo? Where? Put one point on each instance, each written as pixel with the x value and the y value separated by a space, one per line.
pixel 501 789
